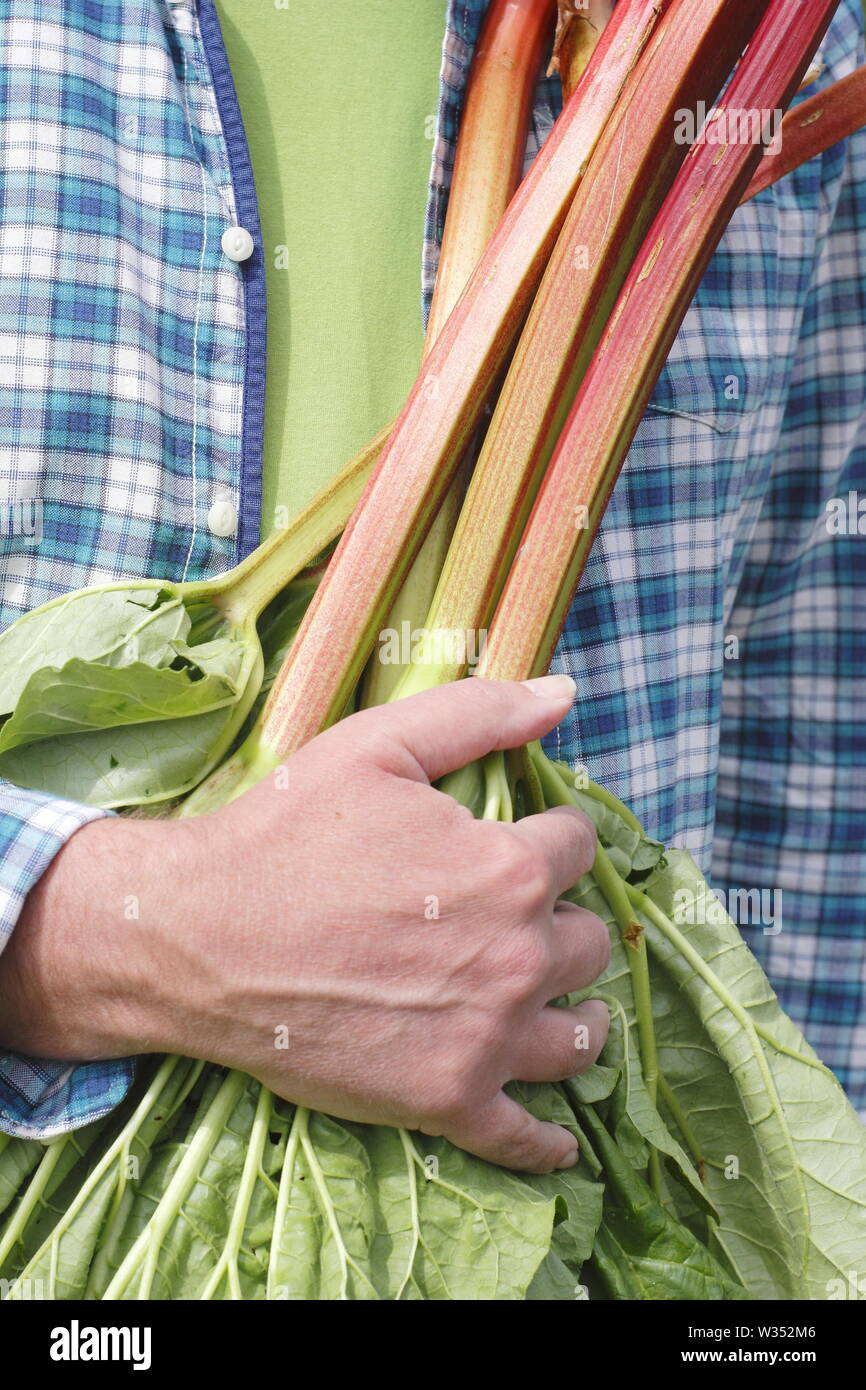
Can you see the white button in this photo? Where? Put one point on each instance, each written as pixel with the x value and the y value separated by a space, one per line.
pixel 237 243
pixel 222 519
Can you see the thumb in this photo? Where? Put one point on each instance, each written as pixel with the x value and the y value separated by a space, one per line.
pixel 445 728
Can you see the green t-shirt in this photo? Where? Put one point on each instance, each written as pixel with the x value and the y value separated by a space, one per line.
pixel 338 104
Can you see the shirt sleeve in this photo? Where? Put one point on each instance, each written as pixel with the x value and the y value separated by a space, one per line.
pixel 40 1098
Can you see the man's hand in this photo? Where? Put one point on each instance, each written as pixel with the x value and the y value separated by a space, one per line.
pixel 344 932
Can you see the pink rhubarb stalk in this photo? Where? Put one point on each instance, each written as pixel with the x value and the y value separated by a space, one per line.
pixel 488 165
pixel 648 314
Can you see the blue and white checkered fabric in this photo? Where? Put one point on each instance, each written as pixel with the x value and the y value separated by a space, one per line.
pixel 717 632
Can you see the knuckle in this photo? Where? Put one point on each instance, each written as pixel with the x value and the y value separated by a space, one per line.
pixel 591 1033
pixel 448 1098
pixel 499 699
pixel 463 1078
pixel 493 700
pixel 524 877
pixel 582 1060
pixel 589 952
pixel 525 965
pixel 368 748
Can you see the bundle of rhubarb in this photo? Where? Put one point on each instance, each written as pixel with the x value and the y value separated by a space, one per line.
pixel 718 1157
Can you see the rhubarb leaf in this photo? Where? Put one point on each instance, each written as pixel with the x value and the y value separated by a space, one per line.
pixel 121 753
pixel 641 1250
pixel 83 696
pixel 785 1154
pixel 782 1153
pixel 111 626
pixel 121 767
pixel 631 851
pixel 376 1213
pixel 220 1191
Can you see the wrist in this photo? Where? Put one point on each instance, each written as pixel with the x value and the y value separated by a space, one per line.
pixel 87 969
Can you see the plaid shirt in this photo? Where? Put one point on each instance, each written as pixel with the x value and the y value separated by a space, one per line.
pixel 717 633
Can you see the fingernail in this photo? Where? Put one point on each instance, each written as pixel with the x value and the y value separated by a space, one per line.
pixel 570 1158
pixel 553 687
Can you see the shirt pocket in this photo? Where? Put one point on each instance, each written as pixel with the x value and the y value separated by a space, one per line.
pixel 721 366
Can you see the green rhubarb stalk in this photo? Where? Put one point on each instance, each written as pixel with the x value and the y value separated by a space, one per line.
pixel 614 890
pixel 487 169
pixel 600 794
pixel 813 127
pixel 557 792
pixel 251 585
pixel 648 313
pixel 443 410
pixel 625 185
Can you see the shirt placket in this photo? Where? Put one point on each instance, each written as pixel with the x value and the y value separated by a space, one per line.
pixel 229 360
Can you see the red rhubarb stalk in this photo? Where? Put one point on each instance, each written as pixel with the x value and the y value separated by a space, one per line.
pixel 625 368
pixel 631 172
pixel 813 127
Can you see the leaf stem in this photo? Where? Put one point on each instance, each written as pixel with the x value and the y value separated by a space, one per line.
pixel 409 1153
pixel 614 890
pixel 244 591
pixel 287 1178
pixel 145 1252
pixel 32 1197
pixel 525 774
pixel 613 803
pixel 343 1255
pixel 227 1264
pixel 673 1105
